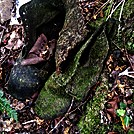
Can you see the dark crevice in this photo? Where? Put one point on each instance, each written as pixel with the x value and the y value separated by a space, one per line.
pixel 52 28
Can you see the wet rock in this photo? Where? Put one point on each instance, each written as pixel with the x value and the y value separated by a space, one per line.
pixel 30 74
pixel 82 73
pixel 24 81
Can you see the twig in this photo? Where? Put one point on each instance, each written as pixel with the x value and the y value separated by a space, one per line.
pixel 127 73
pixel 114 9
pixel 121 15
pixel 57 125
pixel 1 36
pixel 68 113
pixel 27 122
pixel 103 6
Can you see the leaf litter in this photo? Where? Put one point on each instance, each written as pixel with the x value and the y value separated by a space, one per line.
pixel 118 107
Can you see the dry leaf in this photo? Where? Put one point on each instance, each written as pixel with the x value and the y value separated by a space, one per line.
pixel 39 121
pixel 66 131
pixel 113 104
pixel 31 61
pixel 101 14
pixel 112 111
pixel 112 133
pixel 41 51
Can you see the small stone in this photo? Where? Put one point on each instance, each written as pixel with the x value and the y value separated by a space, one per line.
pixel 24 81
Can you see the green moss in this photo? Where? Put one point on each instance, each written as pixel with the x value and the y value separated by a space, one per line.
pixel 131 131
pixel 90 123
pixel 88 74
pixel 77 78
pixel 51 105
pixel 128 9
pixel 96 57
pixel 129 35
pixel 118 128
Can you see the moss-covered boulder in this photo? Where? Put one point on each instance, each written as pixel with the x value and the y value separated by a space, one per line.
pixel 82 73
pixel 80 53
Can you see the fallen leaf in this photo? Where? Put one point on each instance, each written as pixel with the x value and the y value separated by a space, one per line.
pixel 121 112
pixel 127 121
pixel 39 121
pixel 31 61
pixel 112 133
pixel 66 131
pixel 39 44
pixel 113 104
pixel 41 51
pixel 112 111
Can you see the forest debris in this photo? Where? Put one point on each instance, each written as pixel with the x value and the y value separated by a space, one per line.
pixel 37 120
pixel 127 73
pixel 2 27
pixel 5 10
pixel 41 51
pixel 0 73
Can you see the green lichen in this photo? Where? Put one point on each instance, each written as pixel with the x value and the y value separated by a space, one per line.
pixel 87 75
pixel 77 78
pixel 90 123
pixel 51 105
pixel 61 80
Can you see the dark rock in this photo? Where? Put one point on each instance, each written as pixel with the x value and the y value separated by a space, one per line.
pixel 30 74
pixel 42 16
pixel 24 81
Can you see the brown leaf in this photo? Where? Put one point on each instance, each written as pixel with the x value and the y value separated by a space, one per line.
pixel 66 131
pixel 109 117
pixel 116 98
pixel 39 121
pixel 101 14
pixel 31 61
pixel 110 95
pixel 20 106
pixel 39 44
pixel 113 104
pixel 112 133
pixel 41 51
pixel 112 111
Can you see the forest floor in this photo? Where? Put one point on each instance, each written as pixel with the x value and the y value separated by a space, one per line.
pixel 19 117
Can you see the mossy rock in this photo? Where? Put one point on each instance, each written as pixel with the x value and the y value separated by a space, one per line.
pixel 50 105
pixel 82 73
pixel 90 122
